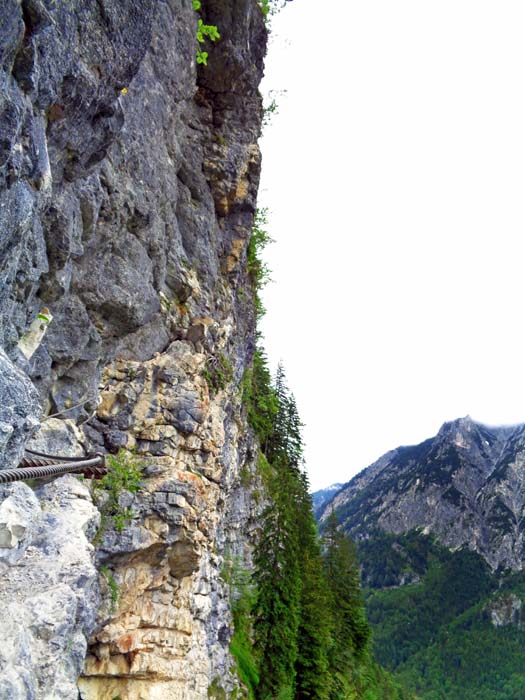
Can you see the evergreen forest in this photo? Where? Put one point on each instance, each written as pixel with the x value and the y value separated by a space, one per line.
pixel 438 633
pixel 300 625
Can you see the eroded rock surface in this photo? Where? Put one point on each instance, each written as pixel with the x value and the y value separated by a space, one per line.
pixel 169 633
pixel 19 412
pixel 49 587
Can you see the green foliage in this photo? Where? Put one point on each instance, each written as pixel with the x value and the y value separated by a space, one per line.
pixel 204 32
pixel 351 628
pixel 245 477
pixel 121 518
pixel 277 576
pixel 269 111
pixel 387 559
pixel 436 634
pixel 271 107
pixel 258 271
pixel 112 585
pixel 371 682
pixel 218 371
pixel 124 475
pixel 242 596
pixel 216 691
pixel 315 623
pixel 259 397
pixel 304 634
pixel 270 7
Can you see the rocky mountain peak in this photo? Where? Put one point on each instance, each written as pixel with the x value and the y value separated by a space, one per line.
pixel 466 485
pixel 459 429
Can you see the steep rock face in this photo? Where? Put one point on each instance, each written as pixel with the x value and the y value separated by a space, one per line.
pixel 19 412
pixel 128 182
pixel 507 610
pixel 125 174
pixel 168 635
pixel 49 593
pixel 466 486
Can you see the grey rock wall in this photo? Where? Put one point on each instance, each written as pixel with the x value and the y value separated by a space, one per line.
pixel 19 412
pixel 128 185
pixel 49 592
pixel 125 173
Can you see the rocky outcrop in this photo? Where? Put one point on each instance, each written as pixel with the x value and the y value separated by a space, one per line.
pixel 507 610
pixel 466 486
pixel 19 412
pixel 125 174
pixel 128 183
pixel 168 634
pixel 322 497
pixel 49 593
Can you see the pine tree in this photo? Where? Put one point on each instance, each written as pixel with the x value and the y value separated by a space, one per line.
pixel 312 680
pixel 260 398
pixel 275 447
pixel 350 629
pixel 276 575
pixel 277 560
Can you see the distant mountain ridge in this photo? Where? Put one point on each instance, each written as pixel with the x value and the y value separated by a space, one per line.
pixel 323 496
pixel 466 486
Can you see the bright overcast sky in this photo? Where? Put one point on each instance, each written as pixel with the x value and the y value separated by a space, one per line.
pixel 395 177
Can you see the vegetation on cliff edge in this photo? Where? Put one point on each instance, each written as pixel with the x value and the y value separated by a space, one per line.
pixel 300 626
pixel 437 634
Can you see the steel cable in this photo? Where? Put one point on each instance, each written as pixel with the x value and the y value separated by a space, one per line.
pixel 93 466
pixel 54 458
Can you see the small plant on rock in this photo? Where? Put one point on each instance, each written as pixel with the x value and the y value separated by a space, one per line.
pixel 112 585
pixel 204 32
pixel 218 372
pixel 270 7
pixel 124 475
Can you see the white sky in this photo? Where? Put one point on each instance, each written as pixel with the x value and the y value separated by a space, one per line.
pixel 395 177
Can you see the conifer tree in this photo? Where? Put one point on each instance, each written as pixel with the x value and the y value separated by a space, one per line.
pixel 303 635
pixel 276 574
pixel 312 680
pixel 276 444
pixel 350 630
pixel 260 398
pixel 277 560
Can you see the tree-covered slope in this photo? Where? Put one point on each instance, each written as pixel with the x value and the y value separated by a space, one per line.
pixel 300 624
pixel 457 632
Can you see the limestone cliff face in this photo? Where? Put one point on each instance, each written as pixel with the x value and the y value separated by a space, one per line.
pixel 128 183
pixel 466 485
pixel 169 633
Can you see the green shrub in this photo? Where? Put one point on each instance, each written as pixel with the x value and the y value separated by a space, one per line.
pixel 270 7
pixel 112 585
pixel 218 372
pixel 124 474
